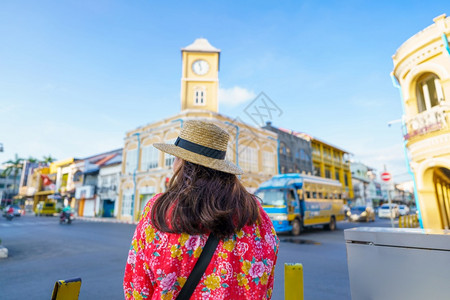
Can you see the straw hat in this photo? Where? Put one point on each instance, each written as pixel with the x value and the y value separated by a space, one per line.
pixel 202 143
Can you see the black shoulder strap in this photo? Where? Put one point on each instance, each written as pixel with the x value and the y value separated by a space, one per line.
pixel 199 268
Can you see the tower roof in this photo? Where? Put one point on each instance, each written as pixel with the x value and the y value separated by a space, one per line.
pixel 201 45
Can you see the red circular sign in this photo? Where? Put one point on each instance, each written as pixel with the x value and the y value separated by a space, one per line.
pixel 386 176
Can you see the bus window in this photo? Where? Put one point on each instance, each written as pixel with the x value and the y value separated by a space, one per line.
pixel 320 196
pixel 325 195
pixel 308 195
pixel 290 196
pixel 314 195
pixel 272 196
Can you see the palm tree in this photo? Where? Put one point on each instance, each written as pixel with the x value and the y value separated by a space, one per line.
pixel 31 159
pixel 14 167
pixel 48 159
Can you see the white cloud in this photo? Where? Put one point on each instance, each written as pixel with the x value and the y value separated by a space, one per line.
pixel 235 96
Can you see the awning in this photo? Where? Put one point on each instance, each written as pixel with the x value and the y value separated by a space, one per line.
pixel 42 193
pixel 55 196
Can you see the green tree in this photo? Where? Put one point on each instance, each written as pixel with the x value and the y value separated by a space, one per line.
pixel 13 167
pixel 48 159
pixel 31 159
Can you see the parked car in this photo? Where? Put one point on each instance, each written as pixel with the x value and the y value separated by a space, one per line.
pixel 385 211
pixel 17 210
pixel 346 209
pixel 403 210
pixel 361 214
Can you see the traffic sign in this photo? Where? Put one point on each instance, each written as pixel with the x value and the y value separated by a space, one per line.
pixel 386 176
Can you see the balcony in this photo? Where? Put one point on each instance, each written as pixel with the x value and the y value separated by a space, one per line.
pixel 428 121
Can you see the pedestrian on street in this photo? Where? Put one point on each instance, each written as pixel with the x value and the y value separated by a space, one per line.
pixel 206 216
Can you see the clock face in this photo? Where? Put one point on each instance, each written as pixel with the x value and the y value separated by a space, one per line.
pixel 200 67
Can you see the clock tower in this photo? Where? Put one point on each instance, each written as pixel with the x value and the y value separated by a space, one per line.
pixel 200 76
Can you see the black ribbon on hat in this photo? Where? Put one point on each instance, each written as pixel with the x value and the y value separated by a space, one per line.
pixel 199 149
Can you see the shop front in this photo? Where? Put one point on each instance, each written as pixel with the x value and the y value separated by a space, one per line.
pixel 86 201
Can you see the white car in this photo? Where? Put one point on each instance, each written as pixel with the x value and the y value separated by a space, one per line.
pixel 403 210
pixel 384 211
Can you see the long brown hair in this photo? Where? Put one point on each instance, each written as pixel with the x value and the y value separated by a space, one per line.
pixel 201 200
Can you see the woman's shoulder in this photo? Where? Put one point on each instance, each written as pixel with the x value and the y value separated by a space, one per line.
pixel 262 226
pixel 149 205
pixel 264 217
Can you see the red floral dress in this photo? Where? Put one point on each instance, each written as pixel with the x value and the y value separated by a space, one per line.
pixel 242 266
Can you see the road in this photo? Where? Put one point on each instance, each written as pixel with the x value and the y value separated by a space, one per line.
pixel 324 258
pixel 41 252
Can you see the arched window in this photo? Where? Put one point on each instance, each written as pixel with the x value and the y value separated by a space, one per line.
pixel 428 92
pixel 78 176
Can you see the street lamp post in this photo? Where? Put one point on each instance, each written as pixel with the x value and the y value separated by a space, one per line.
pixel 138 135
pixel 390 206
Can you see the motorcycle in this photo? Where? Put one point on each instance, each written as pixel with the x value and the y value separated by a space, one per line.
pixel 65 217
pixel 9 216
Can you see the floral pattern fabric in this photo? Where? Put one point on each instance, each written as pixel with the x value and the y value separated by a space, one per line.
pixel 242 267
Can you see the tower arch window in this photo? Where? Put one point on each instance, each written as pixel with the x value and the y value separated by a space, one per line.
pixel 200 96
pixel 428 92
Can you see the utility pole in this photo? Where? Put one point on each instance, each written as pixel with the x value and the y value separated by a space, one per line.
pixel 386 177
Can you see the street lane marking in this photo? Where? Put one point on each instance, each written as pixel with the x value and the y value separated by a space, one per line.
pixel 13 224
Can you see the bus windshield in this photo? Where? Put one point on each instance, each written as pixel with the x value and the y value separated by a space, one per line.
pixel 272 196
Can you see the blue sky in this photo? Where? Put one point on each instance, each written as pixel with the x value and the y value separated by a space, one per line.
pixel 76 75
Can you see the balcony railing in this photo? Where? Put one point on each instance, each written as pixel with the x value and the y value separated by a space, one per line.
pixel 428 121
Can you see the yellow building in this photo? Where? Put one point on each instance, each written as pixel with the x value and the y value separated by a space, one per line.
pixel 146 171
pixel 332 162
pixel 62 171
pixel 34 191
pixel 59 179
pixel 422 68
